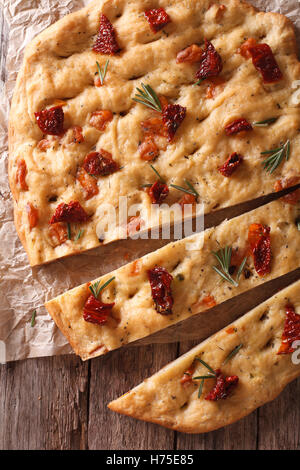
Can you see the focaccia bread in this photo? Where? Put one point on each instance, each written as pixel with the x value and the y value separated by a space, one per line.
pixel 179 280
pixel 250 372
pixel 61 114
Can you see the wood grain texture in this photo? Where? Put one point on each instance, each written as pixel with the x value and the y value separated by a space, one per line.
pixel 60 402
pixel 113 375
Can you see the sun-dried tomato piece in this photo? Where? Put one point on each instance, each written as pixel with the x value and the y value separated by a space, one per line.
pixel 187 199
pixel 33 215
pixel 134 225
pixel 148 149
pixel 220 12
pixel 157 19
pixel 210 62
pixel 187 377
pixel 44 144
pixel 51 120
pixel 291 330
pixel 77 134
pixel 260 244
pixel 158 192
pixel 100 119
pixel 58 233
pixel 190 54
pixel 100 163
pixel 72 212
pixel 264 61
pixel 231 164
pixel 106 42
pixel 153 126
pixel 244 49
pixel 21 174
pixel 173 115
pixel 223 386
pixel 209 301
pixel 88 182
pixel 160 282
pixel 237 126
pixel 96 311
pixel 293 197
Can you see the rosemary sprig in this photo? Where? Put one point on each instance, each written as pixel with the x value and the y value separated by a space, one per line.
pixel 191 189
pixel 32 321
pixel 212 375
pixel 96 289
pixel 79 235
pixel 69 231
pixel 148 97
pixel 189 184
pixel 264 123
pixel 224 257
pixel 102 73
pixel 233 353
pixel 156 172
pixel 276 156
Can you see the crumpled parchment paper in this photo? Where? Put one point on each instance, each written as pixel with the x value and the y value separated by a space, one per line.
pixel 23 289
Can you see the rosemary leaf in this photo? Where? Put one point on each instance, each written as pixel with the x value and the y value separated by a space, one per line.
pixel 101 73
pixel 204 377
pixel 240 270
pixel 189 184
pixel 233 353
pixel 69 231
pixel 205 365
pixel 32 322
pixel 180 188
pixel 200 388
pixel 199 81
pixel 156 172
pixel 79 235
pixel 265 123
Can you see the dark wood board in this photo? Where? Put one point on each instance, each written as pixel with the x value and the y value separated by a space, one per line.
pixel 60 402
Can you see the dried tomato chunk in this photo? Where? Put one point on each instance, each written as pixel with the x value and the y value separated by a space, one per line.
pixel 158 192
pixel 106 42
pixel 244 49
pixel 100 119
pixel 148 149
pixel 44 144
pixel 237 126
pixel 157 19
pixel 173 115
pixel 209 301
pixel 33 215
pixel 264 61
pixel 260 244
pixel 77 134
pixel 21 174
pixel 88 182
pixel 58 233
pixel 153 126
pixel 190 54
pixel 72 212
pixel 160 282
pixel 210 62
pixel 51 120
pixel 100 163
pixel 223 386
pixel 96 311
pixel 134 225
pixel 187 377
pixel 231 164
pixel 293 197
pixel 187 199
pixel 291 330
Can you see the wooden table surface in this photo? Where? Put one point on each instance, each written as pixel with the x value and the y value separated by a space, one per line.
pixel 60 402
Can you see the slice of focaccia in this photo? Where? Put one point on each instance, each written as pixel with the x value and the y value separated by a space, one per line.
pixel 179 280
pixel 247 364
pixel 219 90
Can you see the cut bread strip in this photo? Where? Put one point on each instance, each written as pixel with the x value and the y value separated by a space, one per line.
pixel 196 286
pixel 263 374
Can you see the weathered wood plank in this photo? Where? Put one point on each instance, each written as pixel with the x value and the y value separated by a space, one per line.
pixel 239 436
pixel 113 375
pixel 44 404
pixel 278 421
